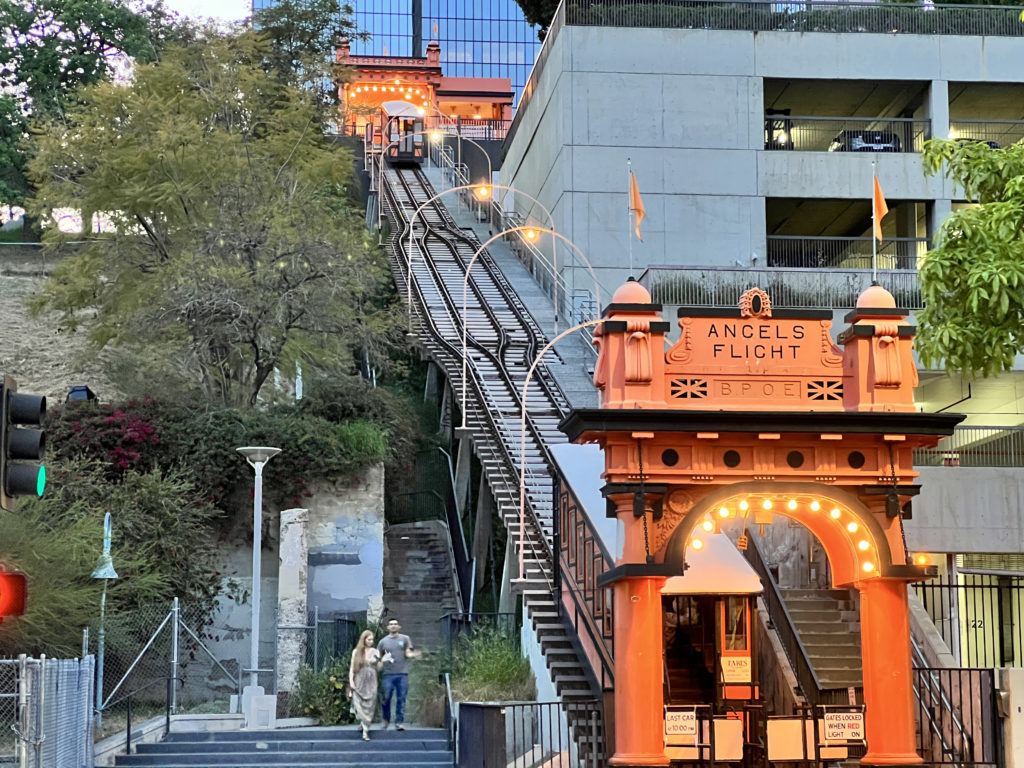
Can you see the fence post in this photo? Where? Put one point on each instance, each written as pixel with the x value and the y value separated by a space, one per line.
pixel 316 638
pixel 172 691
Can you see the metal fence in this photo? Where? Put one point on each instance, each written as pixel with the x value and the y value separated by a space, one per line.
pixel 976 447
pixel 979 616
pixel 46 712
pixel 957 712
pixel 522 735
pixel 844 134
pixel 788 251
pixel 152 644
pixel 1003 133
pixel 798 288
pixel 326 639
pixel 810 16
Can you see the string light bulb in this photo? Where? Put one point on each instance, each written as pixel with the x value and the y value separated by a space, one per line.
pixel 868 567
pixel 815 506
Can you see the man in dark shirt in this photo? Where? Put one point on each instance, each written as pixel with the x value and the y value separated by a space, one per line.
pixel 395 680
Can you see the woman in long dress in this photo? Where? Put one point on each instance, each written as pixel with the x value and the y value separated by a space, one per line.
pixel 362 680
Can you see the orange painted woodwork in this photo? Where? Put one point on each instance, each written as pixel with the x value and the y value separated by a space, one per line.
pixel 755 412
pixel 638 681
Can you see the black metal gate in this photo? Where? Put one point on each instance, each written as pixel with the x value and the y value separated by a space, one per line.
pixel 957 717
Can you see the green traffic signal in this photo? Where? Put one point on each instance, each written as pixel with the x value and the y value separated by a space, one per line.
pixel 21 444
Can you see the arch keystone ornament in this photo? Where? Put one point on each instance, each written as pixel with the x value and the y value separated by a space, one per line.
pixel 757 412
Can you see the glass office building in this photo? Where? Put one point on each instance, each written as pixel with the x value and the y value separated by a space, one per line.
pixel 478 38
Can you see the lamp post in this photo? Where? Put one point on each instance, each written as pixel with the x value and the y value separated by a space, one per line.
pixel 465 291
pixel 104 570
pixel 257 456
pixel 522 436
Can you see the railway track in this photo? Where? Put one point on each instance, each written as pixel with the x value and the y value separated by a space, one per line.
pixel 503 340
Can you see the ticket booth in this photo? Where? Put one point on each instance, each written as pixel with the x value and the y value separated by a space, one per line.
pixel 708 635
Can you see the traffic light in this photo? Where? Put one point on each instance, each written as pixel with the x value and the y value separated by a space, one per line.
pixel 19 445
pixel 12 593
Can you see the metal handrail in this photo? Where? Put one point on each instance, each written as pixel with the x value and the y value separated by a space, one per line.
pixel 128 715
pixel 976 446
pixel 451 721
pixel 810 685
pixel 934 685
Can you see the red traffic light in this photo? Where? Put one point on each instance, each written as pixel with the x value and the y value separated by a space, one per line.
pixel 13 587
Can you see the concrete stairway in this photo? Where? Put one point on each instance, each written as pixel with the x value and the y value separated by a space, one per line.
pixel 338 747
pixel 828 623
pixel 419 582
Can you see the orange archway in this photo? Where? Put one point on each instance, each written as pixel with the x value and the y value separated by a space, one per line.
pixel 755 412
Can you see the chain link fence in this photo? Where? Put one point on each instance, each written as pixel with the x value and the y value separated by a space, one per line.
pixel 46 712
pixel 143 649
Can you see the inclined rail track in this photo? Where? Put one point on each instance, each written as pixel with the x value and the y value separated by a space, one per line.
pixel 502 342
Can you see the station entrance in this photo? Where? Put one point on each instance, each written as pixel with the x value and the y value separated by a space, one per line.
pixel 754 412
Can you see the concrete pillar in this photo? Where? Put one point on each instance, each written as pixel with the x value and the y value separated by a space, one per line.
pixel 889 723
pixel 937 110
pixel 463 463
pixel 639 715
pixel 445 425
pixel 482 527
pixel 433 385
pixel 940 209
pixel 291 596
pixel 506 600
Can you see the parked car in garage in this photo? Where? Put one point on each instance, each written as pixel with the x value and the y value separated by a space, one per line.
pixel 865 141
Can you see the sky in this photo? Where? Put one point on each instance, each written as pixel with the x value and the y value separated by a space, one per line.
pixel 225 10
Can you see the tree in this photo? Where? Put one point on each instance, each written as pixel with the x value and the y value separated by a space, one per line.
pixel 973 280
pixel 53 47
pixel 539 13
pixel 303 36
pixel 237 248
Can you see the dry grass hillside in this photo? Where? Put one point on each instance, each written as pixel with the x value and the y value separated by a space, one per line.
pixel 43 357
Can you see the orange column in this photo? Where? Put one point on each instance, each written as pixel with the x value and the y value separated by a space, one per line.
pixel 639 715
pixel 888 681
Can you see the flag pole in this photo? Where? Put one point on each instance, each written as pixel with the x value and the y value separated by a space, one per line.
pixel 629 213
pixel 874 224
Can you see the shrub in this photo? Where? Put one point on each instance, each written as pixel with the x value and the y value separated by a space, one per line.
pixel 488 665
pixel 322 695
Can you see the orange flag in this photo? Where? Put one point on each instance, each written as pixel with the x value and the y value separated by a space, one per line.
pixel 880 209
pixel 636 205
pixel 385 50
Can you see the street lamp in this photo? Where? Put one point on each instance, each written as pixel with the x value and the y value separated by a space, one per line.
pixel 522 437
pixel 531 233
pixel 104 570
pixel 257 456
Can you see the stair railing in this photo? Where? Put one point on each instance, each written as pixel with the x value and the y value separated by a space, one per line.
pixel 582 560
pixel 783 624
pixel 451 721
pixel 930 692
pixel 464 565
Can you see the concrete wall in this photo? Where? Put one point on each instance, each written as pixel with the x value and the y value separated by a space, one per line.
pixel 345 537
pixel 968 509
pixel 686 107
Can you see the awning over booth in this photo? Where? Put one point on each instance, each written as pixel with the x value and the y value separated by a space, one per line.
pixel 716 569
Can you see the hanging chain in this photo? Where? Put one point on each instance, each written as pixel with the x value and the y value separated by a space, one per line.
pixel 895 486
pixel 643 500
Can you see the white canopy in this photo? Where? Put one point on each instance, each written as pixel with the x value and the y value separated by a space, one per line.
pixel 401 109
pixel 717 568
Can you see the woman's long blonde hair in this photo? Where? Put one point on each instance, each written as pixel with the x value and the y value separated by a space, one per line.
pixel 359 652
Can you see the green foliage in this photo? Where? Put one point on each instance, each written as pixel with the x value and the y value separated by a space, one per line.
pixel 322 695
pixel 973 280
pixel 148 434
pixel 161 548
pixel 54 47
pixel 302 36
pixel 539 13
pixel 488 665
pixel 237 250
